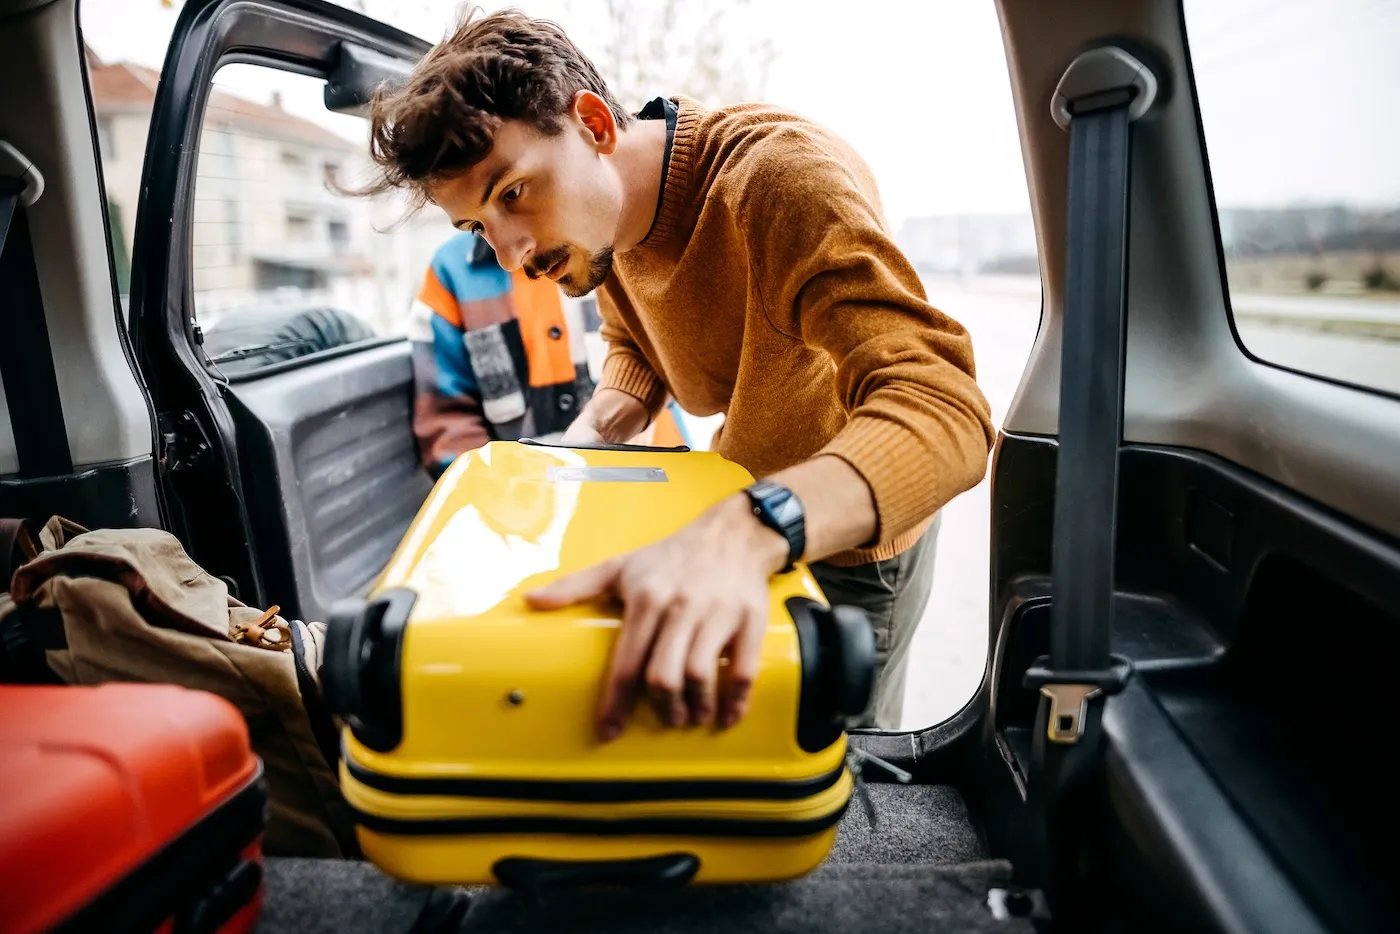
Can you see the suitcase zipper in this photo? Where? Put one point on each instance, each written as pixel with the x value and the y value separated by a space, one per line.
pixel 585 791
pixel 431 815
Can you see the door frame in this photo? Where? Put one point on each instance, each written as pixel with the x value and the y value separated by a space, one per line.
pixel 198 472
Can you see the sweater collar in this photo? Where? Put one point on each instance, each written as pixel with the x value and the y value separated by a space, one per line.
pixel 675 187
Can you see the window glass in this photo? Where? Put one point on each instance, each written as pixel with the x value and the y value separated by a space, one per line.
pixel 284 265
pixel 1299 101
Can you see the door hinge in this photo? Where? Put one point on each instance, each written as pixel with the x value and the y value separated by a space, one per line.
pixel 183 443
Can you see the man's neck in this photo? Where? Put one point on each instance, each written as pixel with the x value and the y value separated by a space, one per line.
pixel 641 149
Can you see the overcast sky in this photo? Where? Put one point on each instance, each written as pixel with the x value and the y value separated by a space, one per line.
pixel 1299 97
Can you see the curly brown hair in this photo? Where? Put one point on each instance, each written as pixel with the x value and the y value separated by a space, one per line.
pixel 489 69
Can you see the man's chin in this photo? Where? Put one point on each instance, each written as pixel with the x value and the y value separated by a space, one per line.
pixel 575 289
pixel 599 268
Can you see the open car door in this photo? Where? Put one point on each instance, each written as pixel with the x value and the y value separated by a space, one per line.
pixel 269 313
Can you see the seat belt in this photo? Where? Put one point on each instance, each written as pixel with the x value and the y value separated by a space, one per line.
pixel 1101 94
pixel 26 355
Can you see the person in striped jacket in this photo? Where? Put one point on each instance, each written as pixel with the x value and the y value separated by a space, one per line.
pixel 499 356
pixel 494 355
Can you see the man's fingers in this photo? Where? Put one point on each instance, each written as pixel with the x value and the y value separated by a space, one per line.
pixel 641 613
pixel 702 666
pixel 665 674
pixel 747 648
pixel 576 588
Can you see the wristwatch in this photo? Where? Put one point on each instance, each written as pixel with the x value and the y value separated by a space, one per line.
pixel 779 508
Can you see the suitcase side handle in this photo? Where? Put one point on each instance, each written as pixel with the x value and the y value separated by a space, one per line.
pixel 671 870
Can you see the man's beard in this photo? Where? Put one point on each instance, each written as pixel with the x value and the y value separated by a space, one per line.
pixel 599 266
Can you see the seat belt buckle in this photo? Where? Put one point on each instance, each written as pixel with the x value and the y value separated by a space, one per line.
pixel 1069 693
pixel 1069 707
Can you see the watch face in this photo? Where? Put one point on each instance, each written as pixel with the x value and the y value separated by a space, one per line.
pixel 787 511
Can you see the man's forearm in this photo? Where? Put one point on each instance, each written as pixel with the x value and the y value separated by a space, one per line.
pixel 839 508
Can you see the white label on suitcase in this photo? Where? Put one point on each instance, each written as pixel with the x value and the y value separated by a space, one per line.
pixel 607 474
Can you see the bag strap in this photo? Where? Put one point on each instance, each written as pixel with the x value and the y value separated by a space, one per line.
pixel 9 538
pixel 26 355
pixel 1100 96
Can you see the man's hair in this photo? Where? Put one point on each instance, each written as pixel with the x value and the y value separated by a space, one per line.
pixel 489 69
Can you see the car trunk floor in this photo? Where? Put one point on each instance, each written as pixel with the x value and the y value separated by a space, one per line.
pixel 921 868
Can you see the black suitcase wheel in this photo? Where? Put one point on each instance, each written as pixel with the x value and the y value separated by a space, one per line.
pixel 360 673
pixel 344 658
pixel 837 646
pixel 851 660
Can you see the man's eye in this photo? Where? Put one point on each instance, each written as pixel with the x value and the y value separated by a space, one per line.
pixel 512 193
pixel 475 228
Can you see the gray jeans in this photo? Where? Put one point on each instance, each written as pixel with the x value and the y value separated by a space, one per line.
pixel 894 593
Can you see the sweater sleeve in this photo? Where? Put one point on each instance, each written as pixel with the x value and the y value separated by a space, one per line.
pixel 625 368
pixel 829 275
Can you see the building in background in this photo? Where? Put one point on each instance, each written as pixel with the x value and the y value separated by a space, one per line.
pixel 267 229
pixel 970 244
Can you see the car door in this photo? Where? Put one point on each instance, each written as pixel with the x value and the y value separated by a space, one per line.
pixel 1257 590
pixel 268 311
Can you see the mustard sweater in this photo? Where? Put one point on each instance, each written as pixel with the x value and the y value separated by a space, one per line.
pixel 770 289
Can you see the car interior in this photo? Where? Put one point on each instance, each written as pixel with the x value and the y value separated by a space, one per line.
pixel 1248 548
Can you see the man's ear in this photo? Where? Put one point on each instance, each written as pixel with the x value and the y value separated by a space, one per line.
pixel 599 123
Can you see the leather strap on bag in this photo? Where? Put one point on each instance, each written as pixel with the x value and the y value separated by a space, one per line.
pixel 9 540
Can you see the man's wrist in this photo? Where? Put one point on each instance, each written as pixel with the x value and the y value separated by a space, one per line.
pixel 738 526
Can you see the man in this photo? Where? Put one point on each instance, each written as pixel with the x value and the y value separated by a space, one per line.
pixel 743 264
pixel 493 355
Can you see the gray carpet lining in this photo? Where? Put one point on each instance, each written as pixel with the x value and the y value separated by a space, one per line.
pixel 922 868
pixel 913 824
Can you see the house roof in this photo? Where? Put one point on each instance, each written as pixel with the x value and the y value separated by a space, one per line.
pixel 126 87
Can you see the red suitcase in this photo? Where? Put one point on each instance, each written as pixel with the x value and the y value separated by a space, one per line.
pixel 127 807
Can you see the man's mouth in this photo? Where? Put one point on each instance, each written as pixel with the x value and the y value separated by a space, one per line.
pixel 557 270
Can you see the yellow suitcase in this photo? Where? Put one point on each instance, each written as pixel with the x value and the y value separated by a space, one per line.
pixel 470 754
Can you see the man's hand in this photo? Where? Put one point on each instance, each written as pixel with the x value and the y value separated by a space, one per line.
pixel 686 600
pixel 611 416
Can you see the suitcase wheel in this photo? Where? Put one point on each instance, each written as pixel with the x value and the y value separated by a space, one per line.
pixel 671 870
pixel 360 672
pixel 837 646
pixel 852 660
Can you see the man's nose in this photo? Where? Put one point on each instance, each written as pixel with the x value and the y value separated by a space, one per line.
pixel 512 247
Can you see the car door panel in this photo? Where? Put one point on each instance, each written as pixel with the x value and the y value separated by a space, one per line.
pixel 1222 576
pixel 334 477
pixel 253 471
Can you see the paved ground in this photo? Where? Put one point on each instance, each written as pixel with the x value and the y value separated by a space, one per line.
pixel 950 649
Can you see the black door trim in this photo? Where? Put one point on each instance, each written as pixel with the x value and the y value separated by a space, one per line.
pixel 205 488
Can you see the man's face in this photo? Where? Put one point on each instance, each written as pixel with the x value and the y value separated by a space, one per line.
pixel 550 204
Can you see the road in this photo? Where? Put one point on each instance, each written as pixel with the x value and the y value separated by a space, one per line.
pixel 950 648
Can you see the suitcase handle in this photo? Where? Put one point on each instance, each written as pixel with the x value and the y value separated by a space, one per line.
pixel 671 870
pixel 604 446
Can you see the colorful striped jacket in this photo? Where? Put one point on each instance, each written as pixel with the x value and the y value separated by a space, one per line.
pixel 494 355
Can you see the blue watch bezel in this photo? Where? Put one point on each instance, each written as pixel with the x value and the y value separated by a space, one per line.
pixel 778 507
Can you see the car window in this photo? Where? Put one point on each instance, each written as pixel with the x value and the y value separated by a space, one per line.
pixel 283 264
pixel 1298 101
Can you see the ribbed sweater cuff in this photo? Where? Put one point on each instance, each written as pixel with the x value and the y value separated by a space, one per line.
pixel 626 373
pixel 886 454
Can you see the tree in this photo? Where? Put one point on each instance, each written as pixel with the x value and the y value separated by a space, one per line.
pixel 705 49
